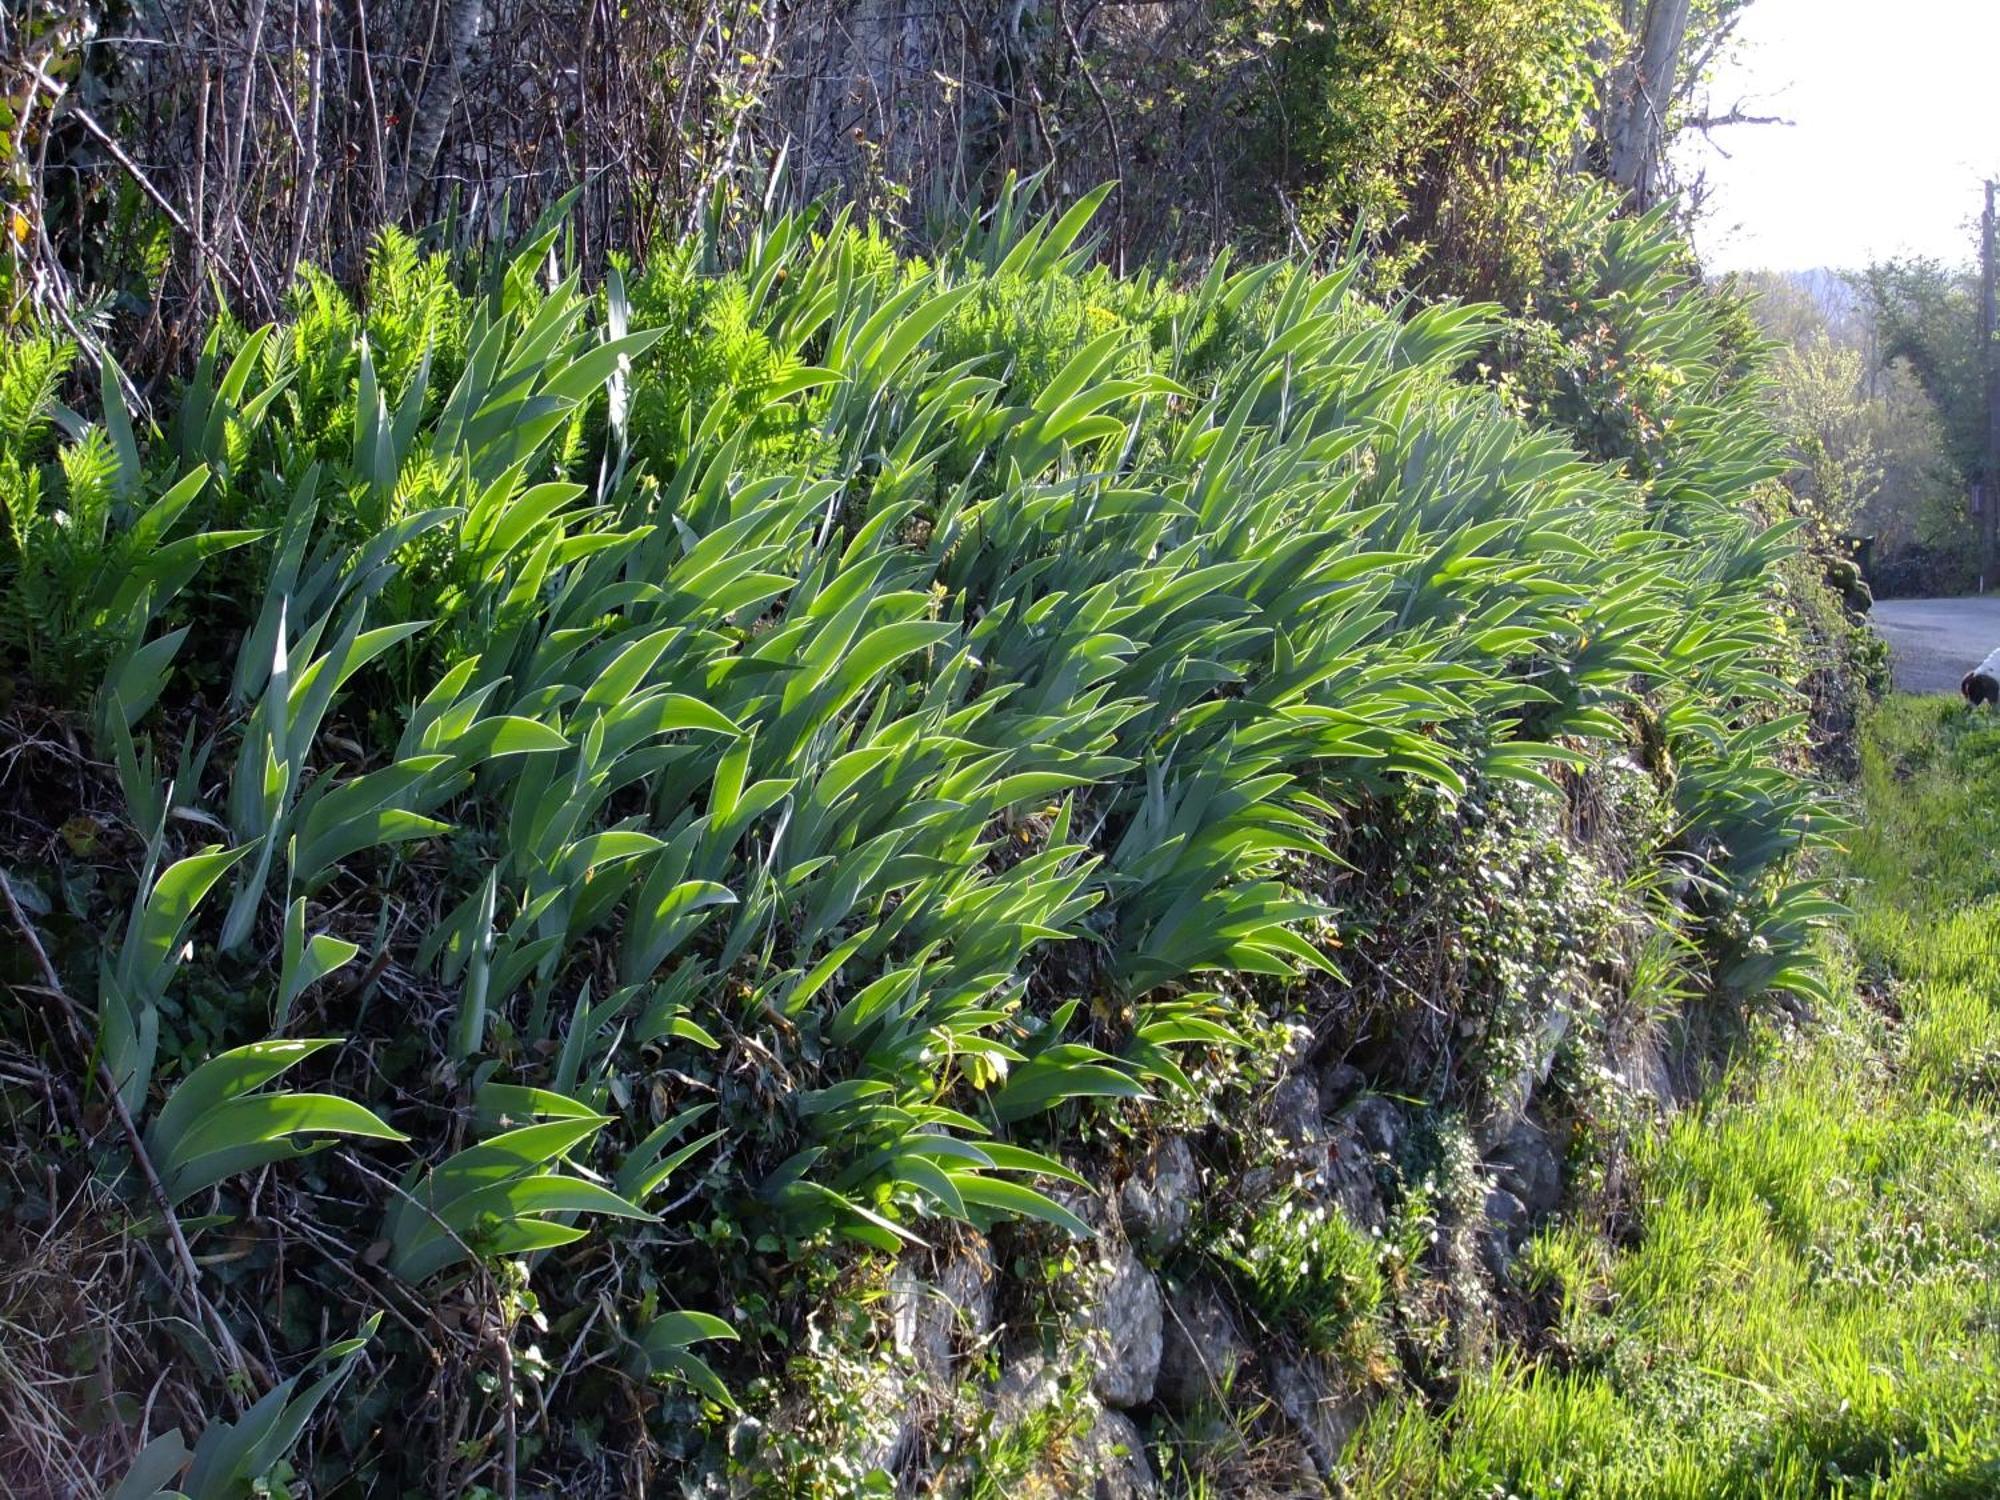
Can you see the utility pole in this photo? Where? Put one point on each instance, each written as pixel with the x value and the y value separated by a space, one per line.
pixel 1989 487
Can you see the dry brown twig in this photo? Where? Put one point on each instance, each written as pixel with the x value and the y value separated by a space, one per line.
pixel 502 1332
pixel 204 1311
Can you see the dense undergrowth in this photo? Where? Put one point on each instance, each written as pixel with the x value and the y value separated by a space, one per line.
pixel 1811 1301
pixel 571 828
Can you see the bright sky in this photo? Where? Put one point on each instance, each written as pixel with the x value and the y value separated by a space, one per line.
pixel 1897 123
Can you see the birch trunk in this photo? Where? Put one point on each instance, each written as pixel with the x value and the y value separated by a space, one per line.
pixel 440 95
pixel 1642 92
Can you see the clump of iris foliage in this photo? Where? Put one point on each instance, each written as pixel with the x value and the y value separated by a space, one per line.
pixel 598 813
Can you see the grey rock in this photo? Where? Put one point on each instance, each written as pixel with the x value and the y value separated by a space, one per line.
pixel 1126 1323
pixel 1025 1386
pixel 1338 1083
pixel 1639 1062
pixel 914 1327
pixel 1506 1223
pixel 1506 1214
pixel 1157 1201
pixel 1319 1405
pixel 1095 1208
pixel 1117 1460
pixel 1526 1165
pixel 1560 1004
pixel 1378 1122
pixel 742 1438
pixel 1255 1185
pixel 889 1417
pixel 928 1319
pixel 1292 1110
pixel 1350 1177
pixel 1200 1352
pixel 1310 1148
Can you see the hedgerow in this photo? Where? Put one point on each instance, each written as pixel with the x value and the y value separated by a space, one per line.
pixel 596 817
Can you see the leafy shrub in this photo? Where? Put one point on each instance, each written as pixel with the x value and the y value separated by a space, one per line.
pixel 1918 571
pixel 1305 1269
pixel 858 713
pixel 1443 130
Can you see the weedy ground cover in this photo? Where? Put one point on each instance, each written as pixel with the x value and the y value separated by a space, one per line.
pixel 575 823
pixel 1811 1302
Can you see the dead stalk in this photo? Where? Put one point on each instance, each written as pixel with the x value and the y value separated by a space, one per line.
pixel 202 1309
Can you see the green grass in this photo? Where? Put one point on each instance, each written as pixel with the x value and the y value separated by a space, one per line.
pixel 1307 1269
pixel 1813 1304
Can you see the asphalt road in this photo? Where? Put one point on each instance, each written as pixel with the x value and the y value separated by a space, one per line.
pixel 1934 642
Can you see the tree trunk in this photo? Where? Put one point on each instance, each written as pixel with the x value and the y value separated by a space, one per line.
pixel 441 88
pixel 878 92
pixel 1642 91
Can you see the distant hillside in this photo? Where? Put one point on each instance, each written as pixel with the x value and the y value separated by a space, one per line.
pixel 1832 290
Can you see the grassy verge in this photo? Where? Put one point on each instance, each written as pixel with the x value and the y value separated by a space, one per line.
pixel 1812 1303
